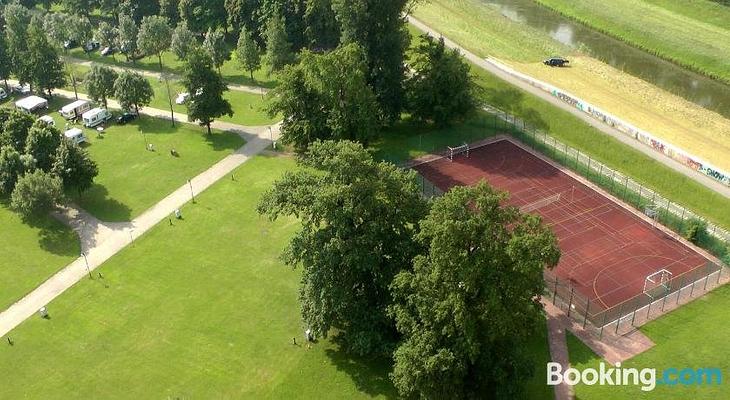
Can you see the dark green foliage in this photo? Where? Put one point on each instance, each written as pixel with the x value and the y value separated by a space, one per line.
pixel 183 41
pixel 216 48
pixel 133 90
pixel 470 305
pixel 14 130
pixel 696 231
pixel 358 217
pixel 326 97
pixel 248 53
pixel 201 15
pixel 36 194
pixel 154 36
pixel 244 14
pixel 5 66
pixel 206 89
pixel 74 166
pixel 278 48
pixel 441 90
pixel 379 27
pixel 170 9
pixel 100 83
pixel 44 64
pixel 42 143
pixel 11 167
pixel 322 29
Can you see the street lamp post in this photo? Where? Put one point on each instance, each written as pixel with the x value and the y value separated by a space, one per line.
pixel 86 260
pixel 192 195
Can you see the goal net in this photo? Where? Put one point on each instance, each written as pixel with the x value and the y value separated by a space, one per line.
pixel 657 284
pixel 455 151
pixel 540 203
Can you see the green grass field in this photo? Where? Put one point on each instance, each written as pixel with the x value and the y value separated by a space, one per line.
pixel 691 33
pixel 31 252
pixel 689 337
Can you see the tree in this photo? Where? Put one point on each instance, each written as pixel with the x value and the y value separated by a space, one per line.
pixel 358 218
pixel 201 15
pixel 472 300
pixel 15 129
pixel 379 27
pixel 78 7
pixel 46 67
pixel 183 41
pixel 133 91
pixel 248 53
pixel 127 37
pixel 11 167
pixel 441 89
pixel 278 49
pixel 106 34
pixel 82 31
pixel 100 83
pixel 322 29
pixel 42 143
pixel 36 193
pixel 155 37
pixel 206 89
pixel 57 27
pixel 17 19
pixel 5 66
pixel 244 13
pixel 74 166
pixel 326 97
pixel 170 10
pixel 216 48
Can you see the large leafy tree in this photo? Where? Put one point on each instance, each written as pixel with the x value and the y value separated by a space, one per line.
pixel 106 34
pixel 471 303
pixel 82 31
pixel 171 10
pixel 5 66
pixel 358 218
pixel 36 193
pixel 15 129
pixel 441 89
pixel 244 13
pixel 127 37
pixel 322 29
pixel 183 41
pixel 248 53
pixel 216 48
pixel 133 90
pixel 201 15
pixel 326 96
pixel 292 12
pixel 46 67
pixel 42 143
pixel 379 27
pixel 17 19
pixel 100 83
pixel 11 167
pixel 278 48
pixel 155 36
pixel 206 89
pixel 74 166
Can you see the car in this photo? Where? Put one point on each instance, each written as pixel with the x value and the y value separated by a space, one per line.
pixel 126 117
pixel 3 94
pixel 22 89
pixel 107 51
pixel 48 120
pixel 182 98
pixel 69 44
pixel 556 62
pixel 91 46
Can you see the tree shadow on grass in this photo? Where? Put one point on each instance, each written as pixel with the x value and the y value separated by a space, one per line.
pixel 222 141
pixel 370 375
pixel 53 236
pixel 96 201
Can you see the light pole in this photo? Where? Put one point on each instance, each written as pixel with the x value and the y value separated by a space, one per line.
pixel 87 265
pixel 131 239
pixel 271 137
pixel 192 195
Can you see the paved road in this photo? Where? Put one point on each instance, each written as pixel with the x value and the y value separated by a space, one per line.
pixel 101 240
pixel 481 63
pixel 159 76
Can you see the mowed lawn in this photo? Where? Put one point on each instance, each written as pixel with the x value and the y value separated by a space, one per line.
pixel 693 336
pixel 482 29
pixel 692 33
pixel 131 179
pixel 203 309
pixel 31 252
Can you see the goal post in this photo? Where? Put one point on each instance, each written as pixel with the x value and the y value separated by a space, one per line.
pixel 455 151
pixel 658 283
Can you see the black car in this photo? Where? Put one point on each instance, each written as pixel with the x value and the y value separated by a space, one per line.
pixel 556 62
pixel 126 117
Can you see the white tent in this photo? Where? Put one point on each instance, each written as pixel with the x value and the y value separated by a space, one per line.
pixel 31 103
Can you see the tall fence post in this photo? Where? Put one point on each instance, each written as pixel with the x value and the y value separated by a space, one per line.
pixel 570 303
pixel 618 321
pixel 679 292
pixel 555 290
pixel 585 317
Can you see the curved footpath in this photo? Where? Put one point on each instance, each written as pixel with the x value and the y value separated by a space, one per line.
pixel 100 240
pixel 481 63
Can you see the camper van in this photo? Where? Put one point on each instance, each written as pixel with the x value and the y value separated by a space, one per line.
pixel 31 104
pixel 96 116
pixel 48 120
pixel 75 135
pixel 75 109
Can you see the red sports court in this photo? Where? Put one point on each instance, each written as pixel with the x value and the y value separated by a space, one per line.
pixel 607 251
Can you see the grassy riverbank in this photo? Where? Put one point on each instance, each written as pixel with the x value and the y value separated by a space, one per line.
pixel 691 33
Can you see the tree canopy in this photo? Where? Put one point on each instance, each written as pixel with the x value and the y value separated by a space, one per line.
pixel 248 53
pixel 206 89
pixel 358 217
pixel 36 193
pixel 278 48
pixel 472 299
pixel 74 166
pixel 100 83
pixel 133 91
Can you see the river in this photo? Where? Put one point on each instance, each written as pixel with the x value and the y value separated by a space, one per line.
pixel 703 91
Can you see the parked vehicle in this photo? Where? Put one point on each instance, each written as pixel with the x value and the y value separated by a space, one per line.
pixel 91 46
pixel 107 51
pixel 75 109
pixel 126 117
pixel 48 120
pixel 96 117
pixel 22 89
pixel 3 94
pixel 556 62
pixel 75 135
pixel 31 104
pixel 182 98
pixel 69 44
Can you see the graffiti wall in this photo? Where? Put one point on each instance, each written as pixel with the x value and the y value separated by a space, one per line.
pixel 640 135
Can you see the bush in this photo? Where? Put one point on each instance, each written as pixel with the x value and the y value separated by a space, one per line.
pixel 36 194
pixel 696 231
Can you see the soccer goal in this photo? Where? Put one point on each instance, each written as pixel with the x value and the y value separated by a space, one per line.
pixel 536 205
pixel 657 284
pixel 455 151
